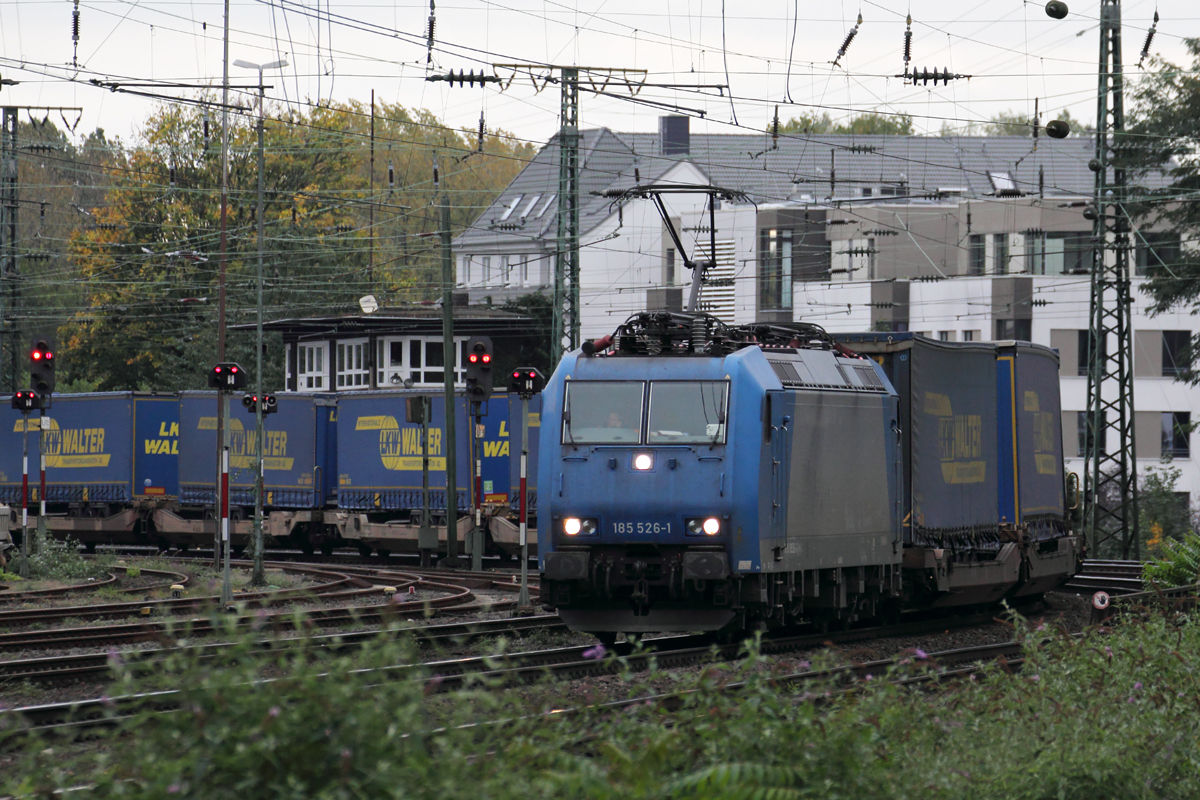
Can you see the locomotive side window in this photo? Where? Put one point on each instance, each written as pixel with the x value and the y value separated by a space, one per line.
pixel 603 412
pixel 688 412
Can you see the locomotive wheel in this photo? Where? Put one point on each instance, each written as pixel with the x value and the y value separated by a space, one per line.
pixel 307 547
pixel 383 553
pixel 363 550
pixel 606 638
pixel 327 548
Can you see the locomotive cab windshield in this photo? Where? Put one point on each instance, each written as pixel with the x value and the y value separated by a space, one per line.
pixel 612 412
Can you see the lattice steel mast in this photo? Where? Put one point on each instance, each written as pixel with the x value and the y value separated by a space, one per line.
pixel 565 331
pixel 1110 478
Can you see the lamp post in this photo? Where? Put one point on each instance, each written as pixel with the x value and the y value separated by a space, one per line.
pixel 257 577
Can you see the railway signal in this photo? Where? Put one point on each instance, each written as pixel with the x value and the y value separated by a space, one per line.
pixel 26 401
pixel 41 365
pixel 227 376
pixel 270 403
pixel 479 367
pixel 526 381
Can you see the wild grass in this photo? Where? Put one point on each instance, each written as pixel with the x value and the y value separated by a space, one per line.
pixel 1101 716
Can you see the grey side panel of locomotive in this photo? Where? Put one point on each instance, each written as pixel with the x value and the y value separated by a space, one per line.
pixel 841 483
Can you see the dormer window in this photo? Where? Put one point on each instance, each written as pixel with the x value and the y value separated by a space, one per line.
pixel 512 206
pixel 529 206
pixel 1002 181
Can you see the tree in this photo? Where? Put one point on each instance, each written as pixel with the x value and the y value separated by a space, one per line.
pixel 1162 514
pixel 1160 142
pixel 150 262
pixel 863 124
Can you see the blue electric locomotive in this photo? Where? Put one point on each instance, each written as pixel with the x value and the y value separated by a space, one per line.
pixel 694 476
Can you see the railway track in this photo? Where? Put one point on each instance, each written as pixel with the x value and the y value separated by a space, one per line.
pixel 451 674
pixel 98 666
pixel 345 584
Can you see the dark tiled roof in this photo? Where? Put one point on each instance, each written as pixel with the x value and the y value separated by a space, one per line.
pixel 794 166
pixel 422 318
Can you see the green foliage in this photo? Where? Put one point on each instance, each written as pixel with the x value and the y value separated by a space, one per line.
pixel 148 261
pixel 54 560
pixel 1177 565
pixel 864 124
pixel 1105 716
pixel 1160 142
pixel 1162 514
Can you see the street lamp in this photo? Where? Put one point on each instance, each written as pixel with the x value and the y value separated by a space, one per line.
pixel 258 578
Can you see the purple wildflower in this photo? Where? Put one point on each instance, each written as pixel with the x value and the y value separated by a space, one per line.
pixel 1108 652
pixel 804 665
pixel 273 712
pixel 174 788
pixel 919 653
pixel 114 657
pixel 1035 678
pixel 595 653
pixel 1137 686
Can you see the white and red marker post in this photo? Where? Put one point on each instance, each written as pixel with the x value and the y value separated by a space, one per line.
pixel 523 598
pixel 226 593
pixel 23 571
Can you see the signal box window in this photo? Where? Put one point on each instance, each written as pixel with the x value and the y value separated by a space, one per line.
pixel 687 412
pixel 353 365
pixel 1176 434
pixel 603 412
pixel 310 376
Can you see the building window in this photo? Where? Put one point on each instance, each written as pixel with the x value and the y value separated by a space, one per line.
pixel 970 336
pixel 669 267
pixel 1081 426
pixel 1018 329
pixel 1176 353
pixel 310 377
pixel 945 336
pixel 1155 249
pixel 866 192
pixel 504 274
pixel 976 255
pixel 776 268
pixel 1000 253
pixel 485 271
pixel 416 358
pixel 465 278
pixel 1035 253
pixel 1176 434
pixel 549 201
pixel 353 369
pixel 1067 253
pixel 1083 357
pixel 525 270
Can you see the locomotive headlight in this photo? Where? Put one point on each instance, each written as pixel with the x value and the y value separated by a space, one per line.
pixel 643 461
pixel 574 526
pixel 710 526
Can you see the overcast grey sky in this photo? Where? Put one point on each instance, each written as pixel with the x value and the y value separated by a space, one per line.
pixel 341 50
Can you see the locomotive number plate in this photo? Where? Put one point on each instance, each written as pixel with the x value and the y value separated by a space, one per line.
pixel 641 527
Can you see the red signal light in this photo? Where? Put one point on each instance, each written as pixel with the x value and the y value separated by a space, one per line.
pixel 487 359
pixel 217 370
pixel 49 355
pixel 36 355
pixel 472 358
